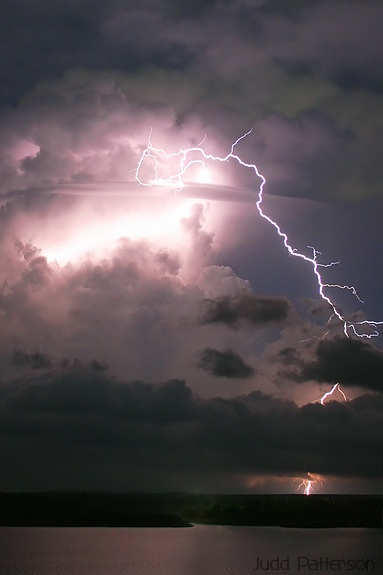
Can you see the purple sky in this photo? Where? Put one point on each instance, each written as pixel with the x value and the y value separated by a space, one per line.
pixel 159 340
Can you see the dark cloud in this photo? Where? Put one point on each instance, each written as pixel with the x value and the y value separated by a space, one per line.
pixel 289 356
pixel 99 365
pixel 74 420
pixel 35 360
pixel 224 363
pixel 84 33
pixel 311 147
pixel 338 50
pixel 256 309
pixel 351 362
pixel 290 364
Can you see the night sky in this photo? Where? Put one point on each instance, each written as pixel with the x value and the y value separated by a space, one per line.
pixel 158 338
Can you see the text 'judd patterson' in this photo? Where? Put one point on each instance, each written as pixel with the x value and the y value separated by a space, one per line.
pixel 304 563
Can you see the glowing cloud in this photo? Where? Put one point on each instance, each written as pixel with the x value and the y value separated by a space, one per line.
pixel 100 230
pixel 152 161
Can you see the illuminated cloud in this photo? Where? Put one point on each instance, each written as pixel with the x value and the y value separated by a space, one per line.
pixel 121 305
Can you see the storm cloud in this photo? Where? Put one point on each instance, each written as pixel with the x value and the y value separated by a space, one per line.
pixel 255 309
pixel 36 360
pixel 155 332
pixel 354 363
pixel 116 65
pixel 137 426
pixel 224 363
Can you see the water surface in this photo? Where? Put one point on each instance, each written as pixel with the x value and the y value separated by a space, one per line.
pixel 200 550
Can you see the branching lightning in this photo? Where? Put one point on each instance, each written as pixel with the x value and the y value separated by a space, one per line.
pixel 186 158
pixel 307 486
pixel 335 388
pixel 308 483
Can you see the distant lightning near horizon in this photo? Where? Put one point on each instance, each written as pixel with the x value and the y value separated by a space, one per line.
pixel 176 181
pixel 308 484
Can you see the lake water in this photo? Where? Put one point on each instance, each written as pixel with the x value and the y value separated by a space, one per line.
pixel 200 550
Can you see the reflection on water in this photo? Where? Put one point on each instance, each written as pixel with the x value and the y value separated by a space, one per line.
pixel 210 550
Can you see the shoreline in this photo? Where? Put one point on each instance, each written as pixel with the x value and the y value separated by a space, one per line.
pixel 181 510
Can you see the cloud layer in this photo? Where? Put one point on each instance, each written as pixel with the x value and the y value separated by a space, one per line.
pixel 152 435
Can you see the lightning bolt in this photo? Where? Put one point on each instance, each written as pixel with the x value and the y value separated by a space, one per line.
pixel 336 387
pixel 308 484
pixel 186 158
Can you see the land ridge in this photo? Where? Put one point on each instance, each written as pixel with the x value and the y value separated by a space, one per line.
pixel 181 509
